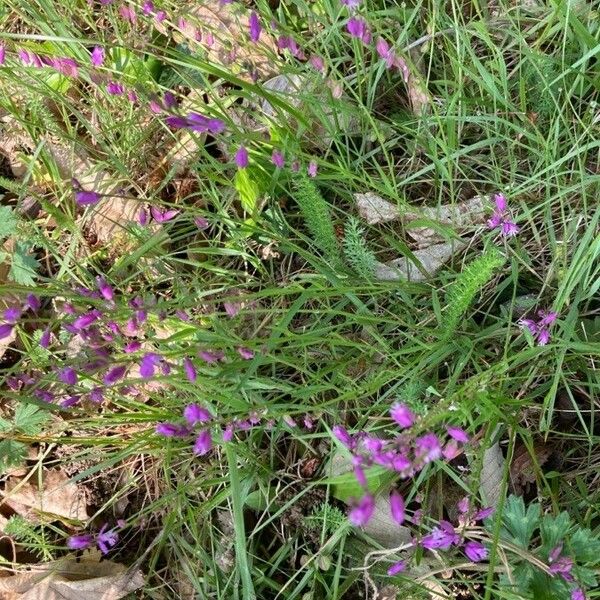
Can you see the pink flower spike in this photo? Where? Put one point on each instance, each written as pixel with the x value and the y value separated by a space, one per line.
pixel 97 56
pixel 203 443
pixel 362 511
pixel 396 568
pixel 397 507
pixel 402 415
pixel 476 551
pixel 458 434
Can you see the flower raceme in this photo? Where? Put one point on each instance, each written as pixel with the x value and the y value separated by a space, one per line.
pixel 540 327
pixel 501 218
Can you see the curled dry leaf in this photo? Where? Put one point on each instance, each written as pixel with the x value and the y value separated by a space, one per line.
pixel 222 30
pixel 431 259
pixel 58 497
pixel 374 209
pixel 73 578
pixel 383 529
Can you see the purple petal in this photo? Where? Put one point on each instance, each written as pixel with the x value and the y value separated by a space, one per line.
pixel 190 370
pixel 33 302
pixel 83 197
pixel 194 414
pixel 428 447
pixel 484 513
pixel 543 337
pixel 241 158
pixel 114 88
pixel 5 330
pixel 203 443
pixel 278 159
pixel 171 430
pixel 397 507
pixel 396 568
pixel 177 122
pixel 114 375
pixel 476 551
pixel 343 436
pixel 402 415
pixel 245 353
pixel 211 356
pixel 201 223
pixel 68 376
pixel 45 339
pixel 457 433
pixel 80 542
pixel 148 364
pixel 362 511
pixel 169 214
pixel 255 27
pixel 577 594
pixel 509 228
pixel 501 203
pixel 312 169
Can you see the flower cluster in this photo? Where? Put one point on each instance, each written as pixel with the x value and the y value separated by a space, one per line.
pixel 540 327
pixel 501 217
pixel 13 314
pixel 105 539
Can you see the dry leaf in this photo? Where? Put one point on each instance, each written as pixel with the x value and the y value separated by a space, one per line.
pixel 418 95
pixel 13 141
pixel 431 258
pixel 58 496
pixel 223 31
pixel 73 578
pixel 383 529
pixel 523 470
pixel 492 470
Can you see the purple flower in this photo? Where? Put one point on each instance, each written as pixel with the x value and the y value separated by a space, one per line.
pixel 577 594
pixel 132 96
pixel 96 395
pixel 484 513
pixel 343 436
pixel 463 505
pixel 457 433
pixel 232 308
pixel 68 376
pixel 70 401
pixel 362 511
pixel 202 223
pixel 86 319
pixel 278 159
pixel 114 88
pixel 241 157
pixel 441 537
pixel 80 542
pixel 12 314
pixel 105 289
pixel 45 339
pixel 228 433
pixel 255 27
pixel 84 197
pixel 114 374
pixel 196 122
pixel 563 567
pixel 428 447
pixel 189 369
pixel 317 63
pixel 358 28
pixel 162 216
pixel 540 329
pixel 203 443
pixel 194 414
pixel 128 13
pixel 148 363
pixel 155 106
pixel 501 217
pixel 351 3
pixel 397 507
pixel 148 7
pixel 245 353
pixel 106 539
pixel 555 553
pixel 97 56
pixel 211 356
pixel 312 169
pixel 385 52
pixel 171 430
pixel 160 16
pixel 402 415
pixel 396 568
pixel 2 54
pixel 33 303
pixel 360 476
pixel 5 330
pixel 475 551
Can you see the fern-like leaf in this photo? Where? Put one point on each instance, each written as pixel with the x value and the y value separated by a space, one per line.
pixel 317 217
pixel 358 254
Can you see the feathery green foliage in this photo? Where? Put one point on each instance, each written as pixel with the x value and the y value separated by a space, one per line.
pixel 317 217
pixel 464 288
pixel 358 255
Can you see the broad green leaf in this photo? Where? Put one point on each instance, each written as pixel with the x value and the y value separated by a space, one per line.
pixel 23 266
pixel 12 453
pixel 519 524
pixel 28 418
pixel 247 189
pixel 585 546
pixel 345 486
pixel 553 530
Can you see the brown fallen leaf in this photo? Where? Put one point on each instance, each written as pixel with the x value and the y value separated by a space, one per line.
pixel 223 31
pixel 73 578
pixel 525 467
pixel 59 497
pixel 431 259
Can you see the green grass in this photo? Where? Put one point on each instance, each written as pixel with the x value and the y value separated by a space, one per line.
pixel 514 108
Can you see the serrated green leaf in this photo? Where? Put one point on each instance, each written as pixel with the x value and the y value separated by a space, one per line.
pixel 585 546
pixel 23 267
pixel 554 530
pixel 12 453
pixel 247 189
pixel 5 425
pixel 28 418
pixel 586 577
pixel 519 524
pixel 8 222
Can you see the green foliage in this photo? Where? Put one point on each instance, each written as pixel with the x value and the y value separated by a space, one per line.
pixel 465 287
pixel 317 217
pixel 518 523
pixel 23 267
pixel 29 536
pixel 358 254
pixel 8 222
pixel 326 517
pixel 27 420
